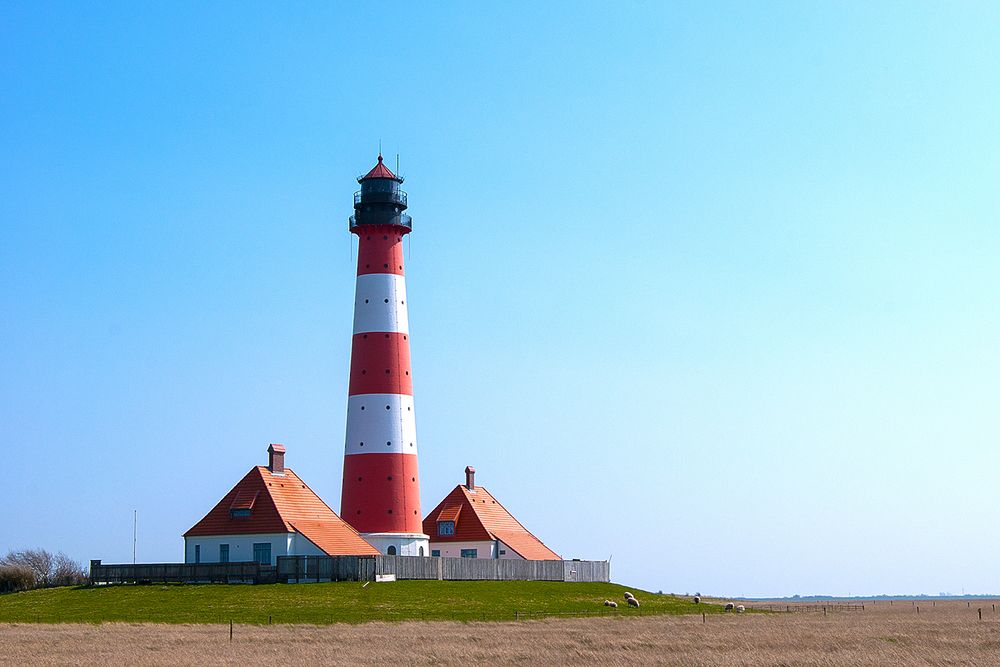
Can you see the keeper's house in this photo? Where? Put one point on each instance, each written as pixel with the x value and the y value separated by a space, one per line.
pixel 470 523
pixel 271 513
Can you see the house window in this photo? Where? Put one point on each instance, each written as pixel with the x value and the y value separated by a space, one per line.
pixel 436 553
pixel 240 513
pixel 470 553
pixel 262 552
pixel 223 553
pixel 503 552
pixel 446 527
pixel 421 551
pixel 391 551
pixel 197 553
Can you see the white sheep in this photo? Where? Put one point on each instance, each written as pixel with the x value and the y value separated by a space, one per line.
pixel 610 603
pixel 632 602
pixel 740 609
pixel 628 596
pixel 730 606
pixel 697 599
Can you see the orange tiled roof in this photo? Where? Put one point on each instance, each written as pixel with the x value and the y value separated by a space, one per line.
pixel 486 519
pixel 282 504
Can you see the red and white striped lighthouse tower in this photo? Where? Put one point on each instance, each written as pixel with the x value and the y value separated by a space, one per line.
pixel 381 491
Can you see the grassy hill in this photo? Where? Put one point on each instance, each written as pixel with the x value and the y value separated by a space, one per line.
pixel 344 602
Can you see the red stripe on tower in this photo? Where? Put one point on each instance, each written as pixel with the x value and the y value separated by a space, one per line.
pixel 381 489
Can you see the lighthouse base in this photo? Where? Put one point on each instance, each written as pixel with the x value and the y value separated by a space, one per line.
pixel 400 544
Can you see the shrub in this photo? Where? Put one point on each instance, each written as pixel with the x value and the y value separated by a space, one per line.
pixel 68 572
pixel 16 578
pixel 45 568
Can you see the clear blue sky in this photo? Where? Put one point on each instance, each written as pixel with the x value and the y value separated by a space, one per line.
pixel 710 287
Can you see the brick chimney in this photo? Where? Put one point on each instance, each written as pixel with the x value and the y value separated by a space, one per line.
pixel 470 478
pixel 276 459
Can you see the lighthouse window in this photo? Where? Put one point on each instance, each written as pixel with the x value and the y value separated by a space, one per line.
pixel 387 407
pixel 389 478
pixel 388 443
pixel 446 527
pixel 387 300
pixel 366 300
pixel 391 551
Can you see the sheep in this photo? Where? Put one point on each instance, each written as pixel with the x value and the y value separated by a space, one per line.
pixel 697 599
pixel 610 603
pixel 628 595
pixel 740 609
pixel 632 602
pixel 730 606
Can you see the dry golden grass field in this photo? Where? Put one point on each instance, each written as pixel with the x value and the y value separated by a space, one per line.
pixel 949 633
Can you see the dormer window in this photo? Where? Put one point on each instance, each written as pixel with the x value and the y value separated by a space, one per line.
pixel 239 513
pixel 446 527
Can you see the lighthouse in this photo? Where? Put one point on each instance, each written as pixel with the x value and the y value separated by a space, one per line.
pixel 381 489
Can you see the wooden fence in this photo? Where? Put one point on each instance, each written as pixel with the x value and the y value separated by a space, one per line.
pixel 354 568
pixel 217 573
pixel 292 569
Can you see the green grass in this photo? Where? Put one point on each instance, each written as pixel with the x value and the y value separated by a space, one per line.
pixel 345 602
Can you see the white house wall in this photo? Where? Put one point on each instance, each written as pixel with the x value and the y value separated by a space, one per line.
pixel 241 547
pixel 483 549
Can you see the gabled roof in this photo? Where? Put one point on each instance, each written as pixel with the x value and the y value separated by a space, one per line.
pixel 479 517
pixel 281 504
pixel 379 171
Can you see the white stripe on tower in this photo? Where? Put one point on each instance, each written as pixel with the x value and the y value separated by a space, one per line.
pixel 380 304
pixel 381 424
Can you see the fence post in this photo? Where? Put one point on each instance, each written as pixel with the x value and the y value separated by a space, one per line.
pixel 980 613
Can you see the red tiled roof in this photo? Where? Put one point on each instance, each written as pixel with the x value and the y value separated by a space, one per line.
pixel 486 519
pixel 379 171
pixel 282 504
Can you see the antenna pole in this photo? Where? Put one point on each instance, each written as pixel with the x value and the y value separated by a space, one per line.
pixel 135 522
